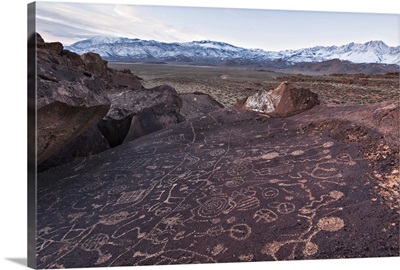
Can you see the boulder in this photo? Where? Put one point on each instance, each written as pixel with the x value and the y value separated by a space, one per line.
pixel 94 64
pixel 197 104
pixel 124 79
pixel 68 100
pixel 284 101
pixel 151 109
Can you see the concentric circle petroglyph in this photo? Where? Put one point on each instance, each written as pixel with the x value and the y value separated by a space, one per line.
pixel 331 224
pixel 270 192
pixel 213 207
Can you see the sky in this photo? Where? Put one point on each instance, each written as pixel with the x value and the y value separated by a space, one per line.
pixel 271 30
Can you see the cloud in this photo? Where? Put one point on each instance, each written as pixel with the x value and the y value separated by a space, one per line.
pixel 70 22
pixel 269 30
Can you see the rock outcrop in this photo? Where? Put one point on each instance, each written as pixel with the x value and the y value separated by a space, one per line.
pixel 69 100
pixel 197 104
pixel 137 113
pixel 322 184
pixel 284 101
pixel 73 95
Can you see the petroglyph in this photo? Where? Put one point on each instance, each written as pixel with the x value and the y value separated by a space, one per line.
pixel 310 249
pixel 95 242
pixel 240 169
pixel 115 218
pixel 330 224
pixel 270 192
pixel 204 192
pixel 246 258
pixel 240 232
pixel 218 249
pixel 117 189
pixel 132 196
pixel 284 208
pixel 213 207
pixel 266 215
pixel 234 182
pixel 217 152
pixel 277 170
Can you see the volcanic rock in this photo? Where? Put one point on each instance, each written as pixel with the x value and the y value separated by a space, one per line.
pixel 95 65
pixel 123 79
pixel 206 190
pixel 71 97
pixel 90 142
pixel 68 100
pixel 284 101
pixel 197 104
pixel 136 113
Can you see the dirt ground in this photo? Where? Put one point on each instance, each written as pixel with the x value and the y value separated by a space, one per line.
pixel 229 84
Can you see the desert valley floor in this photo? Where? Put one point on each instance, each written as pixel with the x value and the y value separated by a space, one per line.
pixel 229 84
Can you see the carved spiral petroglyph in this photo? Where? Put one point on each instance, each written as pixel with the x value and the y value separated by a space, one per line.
pixel 213 207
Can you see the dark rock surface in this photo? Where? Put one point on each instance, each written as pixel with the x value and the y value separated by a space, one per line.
pixel 152 109
pixel 69 100
pixel 90 142
pixel 284 101
pixel 197 104
pixel 72 95
pixel 230 186
pixel 124 79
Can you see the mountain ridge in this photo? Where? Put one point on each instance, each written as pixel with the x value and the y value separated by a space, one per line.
pixel 206 51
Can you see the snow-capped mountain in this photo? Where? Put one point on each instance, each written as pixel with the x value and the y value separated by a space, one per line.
pixel 211 51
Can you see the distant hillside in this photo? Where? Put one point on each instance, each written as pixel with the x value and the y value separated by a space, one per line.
pixel 374 56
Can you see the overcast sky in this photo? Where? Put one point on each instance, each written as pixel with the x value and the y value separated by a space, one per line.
pixel 250 28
